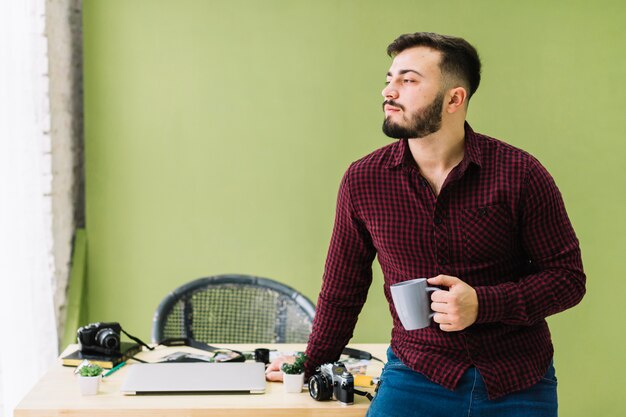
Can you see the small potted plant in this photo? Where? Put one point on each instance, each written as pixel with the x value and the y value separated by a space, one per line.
pixel 293 374
pixel 89 378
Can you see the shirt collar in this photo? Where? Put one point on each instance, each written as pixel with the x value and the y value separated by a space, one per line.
pixel 400 153
pixel 472 147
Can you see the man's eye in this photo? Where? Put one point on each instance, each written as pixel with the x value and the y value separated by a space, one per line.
pixel 409 81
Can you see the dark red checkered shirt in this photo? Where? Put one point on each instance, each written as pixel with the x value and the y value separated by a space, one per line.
pixel 498 224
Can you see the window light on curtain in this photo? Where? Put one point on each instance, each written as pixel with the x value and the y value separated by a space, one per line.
pixel 28 336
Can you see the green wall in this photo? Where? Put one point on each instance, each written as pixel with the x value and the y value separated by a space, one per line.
pixel 217 133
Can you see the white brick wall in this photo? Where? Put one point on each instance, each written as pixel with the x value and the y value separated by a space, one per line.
pixel 64 34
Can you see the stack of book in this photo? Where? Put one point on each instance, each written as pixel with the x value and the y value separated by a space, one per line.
pixel 128 350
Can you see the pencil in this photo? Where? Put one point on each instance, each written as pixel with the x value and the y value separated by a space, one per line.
pixel 115 368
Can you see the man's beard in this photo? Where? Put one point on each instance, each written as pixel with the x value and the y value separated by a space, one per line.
pixel 422 123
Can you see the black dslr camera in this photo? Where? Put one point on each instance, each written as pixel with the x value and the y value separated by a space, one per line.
pixel 332 380
pixel 100 339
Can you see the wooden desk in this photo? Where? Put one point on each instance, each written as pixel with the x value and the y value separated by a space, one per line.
pixel 57 394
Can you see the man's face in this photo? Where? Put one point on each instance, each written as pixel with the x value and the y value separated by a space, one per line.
pixel 414 94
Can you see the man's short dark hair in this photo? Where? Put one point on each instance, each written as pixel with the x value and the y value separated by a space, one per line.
pixel 459 59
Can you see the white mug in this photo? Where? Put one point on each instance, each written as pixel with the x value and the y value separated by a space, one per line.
pixel 412 302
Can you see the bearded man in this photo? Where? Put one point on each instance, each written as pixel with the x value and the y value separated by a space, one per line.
pixel 481 219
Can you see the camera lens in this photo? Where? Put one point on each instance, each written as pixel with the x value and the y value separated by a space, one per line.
pixel 107 338
pixel 320 388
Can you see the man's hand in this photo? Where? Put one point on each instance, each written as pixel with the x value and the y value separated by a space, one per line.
pixel 273 372
pixel 455 309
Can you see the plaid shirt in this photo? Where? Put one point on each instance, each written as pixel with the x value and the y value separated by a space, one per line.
pixel 498 224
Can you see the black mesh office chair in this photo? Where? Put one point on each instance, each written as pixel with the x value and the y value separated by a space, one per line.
pixel 234 309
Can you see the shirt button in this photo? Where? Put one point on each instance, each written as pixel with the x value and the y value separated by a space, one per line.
pixel 438 220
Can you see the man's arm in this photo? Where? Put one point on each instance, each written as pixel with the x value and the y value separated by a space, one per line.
pixel 347 278
pixel 551 244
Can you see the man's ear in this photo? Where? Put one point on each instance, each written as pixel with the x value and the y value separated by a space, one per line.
pixel 457 99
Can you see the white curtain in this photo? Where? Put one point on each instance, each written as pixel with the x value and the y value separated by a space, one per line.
pixel 28 337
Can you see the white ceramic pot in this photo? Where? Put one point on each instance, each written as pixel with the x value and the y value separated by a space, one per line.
pixel 89 384
pixel 293 383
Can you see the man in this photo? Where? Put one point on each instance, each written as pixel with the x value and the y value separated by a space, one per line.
pixel 481 219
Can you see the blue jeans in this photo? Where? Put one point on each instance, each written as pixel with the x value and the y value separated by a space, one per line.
pixel 404 392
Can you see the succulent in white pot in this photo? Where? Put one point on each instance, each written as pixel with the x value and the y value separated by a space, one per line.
pixel 293 374
pixel 89 378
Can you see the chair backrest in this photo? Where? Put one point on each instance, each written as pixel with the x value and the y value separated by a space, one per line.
pixel 234 309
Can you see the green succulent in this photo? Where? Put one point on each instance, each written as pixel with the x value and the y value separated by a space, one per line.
pixel 295 368
pixel 90 370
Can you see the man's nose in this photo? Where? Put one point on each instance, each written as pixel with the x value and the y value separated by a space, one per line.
pixel 389 92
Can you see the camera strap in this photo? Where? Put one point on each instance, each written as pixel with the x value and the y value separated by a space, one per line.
pixel 136 339
pixel 364 394
pixel 359 354
pixel 234 355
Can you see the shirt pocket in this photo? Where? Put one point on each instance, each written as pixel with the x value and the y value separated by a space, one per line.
pixel 487 232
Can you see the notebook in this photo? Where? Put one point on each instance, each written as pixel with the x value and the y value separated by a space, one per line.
pixel 194 377
pixel 77 357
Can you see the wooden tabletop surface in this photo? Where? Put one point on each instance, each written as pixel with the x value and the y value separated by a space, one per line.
pixel 57 394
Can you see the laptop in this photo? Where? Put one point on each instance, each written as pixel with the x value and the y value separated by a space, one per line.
pixel 194 377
